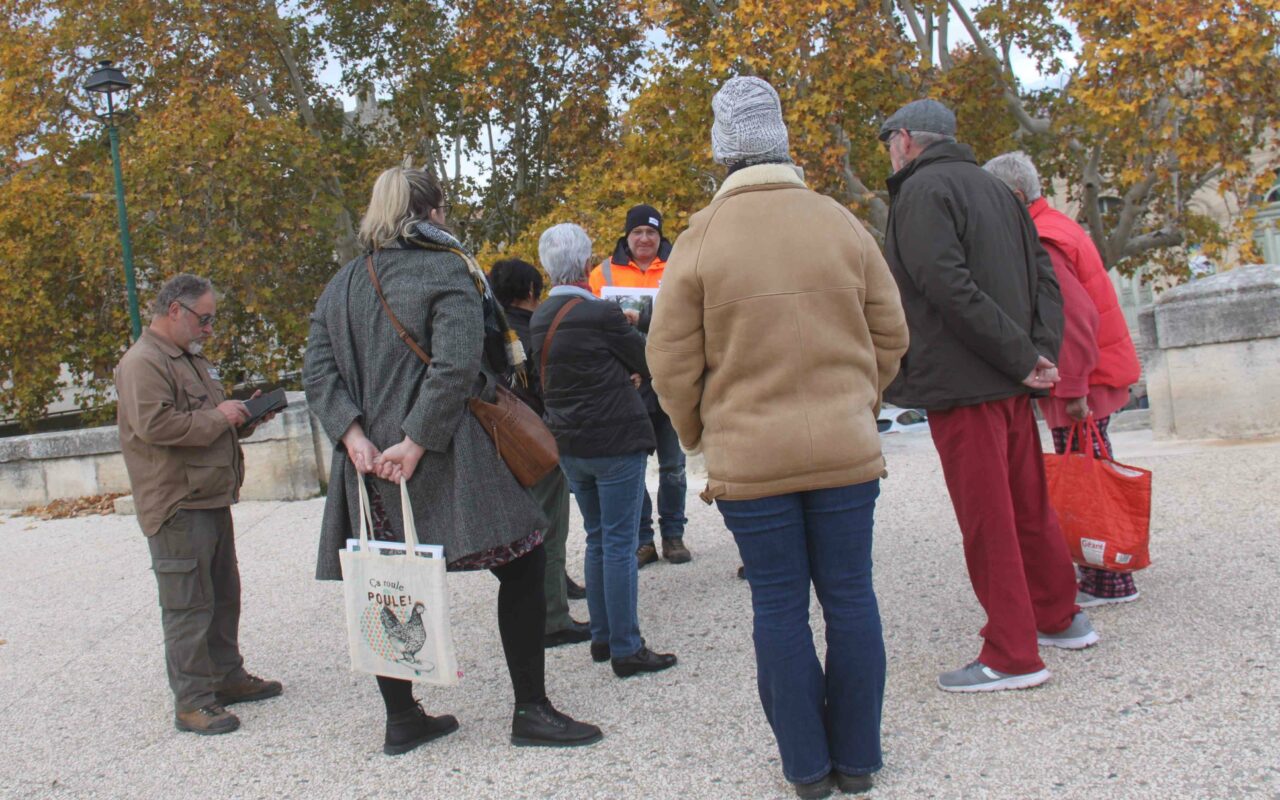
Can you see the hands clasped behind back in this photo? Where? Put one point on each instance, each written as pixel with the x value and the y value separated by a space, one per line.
pixel 1044 376
pixel 396 464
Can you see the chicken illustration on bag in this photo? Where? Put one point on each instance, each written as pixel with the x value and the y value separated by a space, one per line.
pixel 408 636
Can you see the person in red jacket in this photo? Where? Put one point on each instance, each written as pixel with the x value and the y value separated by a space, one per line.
pixel 1098 362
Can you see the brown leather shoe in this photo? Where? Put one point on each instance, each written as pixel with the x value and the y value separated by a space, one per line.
pixel 646 554
pixel 673 550
pixel 208 721
pixel 248 689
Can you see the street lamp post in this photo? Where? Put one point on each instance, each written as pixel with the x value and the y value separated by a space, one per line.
pixel 108 80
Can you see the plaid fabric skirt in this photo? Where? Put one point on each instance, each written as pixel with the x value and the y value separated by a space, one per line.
pixel 1097 582
pixel 487 559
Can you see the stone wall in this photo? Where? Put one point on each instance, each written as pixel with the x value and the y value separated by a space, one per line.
pixel 1213 358
pixel 286 459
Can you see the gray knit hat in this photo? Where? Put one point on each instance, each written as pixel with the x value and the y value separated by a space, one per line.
pixel 748 127
pixel 929 116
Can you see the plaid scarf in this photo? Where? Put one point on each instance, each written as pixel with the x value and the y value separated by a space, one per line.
pixel 430 237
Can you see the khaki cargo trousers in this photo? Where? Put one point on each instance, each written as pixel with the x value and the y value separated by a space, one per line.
pixel 194 559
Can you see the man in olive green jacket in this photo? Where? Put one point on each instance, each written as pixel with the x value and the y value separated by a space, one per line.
pixel 180 438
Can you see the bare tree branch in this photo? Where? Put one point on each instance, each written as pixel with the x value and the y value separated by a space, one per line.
pixel 1133 206
pixel 918 33
pixel 1194 186
pixel 431 144
pixel 278 33
pixel 1033 125
pixel 876 206
pixel 1165 237
pixel 944 46
pixel 1092 186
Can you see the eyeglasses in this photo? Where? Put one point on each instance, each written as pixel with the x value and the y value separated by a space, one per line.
pixel 446 207
pixel 201 319
pixel 888 143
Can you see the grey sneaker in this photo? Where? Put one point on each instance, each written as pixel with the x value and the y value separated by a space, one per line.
pixel 1086 600
pixel 1078 635
pixel 978 677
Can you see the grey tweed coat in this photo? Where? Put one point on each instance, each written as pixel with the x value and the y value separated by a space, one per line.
pixel 357 368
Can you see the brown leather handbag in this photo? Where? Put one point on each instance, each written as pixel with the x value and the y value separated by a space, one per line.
pixel 522 439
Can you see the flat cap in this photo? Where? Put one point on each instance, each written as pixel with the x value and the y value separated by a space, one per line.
pixel 920 115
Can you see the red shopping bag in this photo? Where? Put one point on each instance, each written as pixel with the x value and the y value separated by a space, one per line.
pixel 1104 507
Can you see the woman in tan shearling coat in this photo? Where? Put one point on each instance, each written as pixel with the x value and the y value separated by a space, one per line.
pixel 776 328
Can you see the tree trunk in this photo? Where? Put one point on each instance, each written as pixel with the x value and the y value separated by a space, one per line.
pixel 345 246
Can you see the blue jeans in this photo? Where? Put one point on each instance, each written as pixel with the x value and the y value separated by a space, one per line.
pixel 822 720
pixel 608 491
pixel 672 486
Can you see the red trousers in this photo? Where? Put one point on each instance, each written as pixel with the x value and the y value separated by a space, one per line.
pixel 1018 562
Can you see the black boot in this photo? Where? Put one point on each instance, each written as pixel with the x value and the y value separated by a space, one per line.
pixel 823 787
pixel 538 724
pixel 852 784
pixel 642 660
pixel 409 729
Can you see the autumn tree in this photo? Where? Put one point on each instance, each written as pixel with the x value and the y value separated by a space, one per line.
pixel 1140 117
pixel 518 90
pixel 234 160
pixel 1166 99
pixel 241 164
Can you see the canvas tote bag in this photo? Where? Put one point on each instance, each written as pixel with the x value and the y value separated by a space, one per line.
pixel 397 607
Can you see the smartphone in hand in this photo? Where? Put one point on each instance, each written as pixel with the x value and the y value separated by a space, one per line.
pixel 263 405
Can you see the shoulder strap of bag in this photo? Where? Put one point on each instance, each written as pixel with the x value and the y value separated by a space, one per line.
pixel 546 343
pixel 404 335
pixel 606 270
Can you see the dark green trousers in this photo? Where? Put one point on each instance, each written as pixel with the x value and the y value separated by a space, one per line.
pixel 194 559
pixel 552 493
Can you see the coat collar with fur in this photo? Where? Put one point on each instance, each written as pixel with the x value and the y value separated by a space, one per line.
pixel 761 174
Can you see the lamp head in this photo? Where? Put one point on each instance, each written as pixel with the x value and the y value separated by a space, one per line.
pixel 107 80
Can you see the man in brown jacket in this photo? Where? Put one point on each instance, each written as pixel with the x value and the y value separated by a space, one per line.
pixel 777 326
pixel 181 442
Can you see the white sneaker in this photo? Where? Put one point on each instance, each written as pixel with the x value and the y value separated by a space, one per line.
pixel 978 677
pixel 1078 635
pixel 1086 600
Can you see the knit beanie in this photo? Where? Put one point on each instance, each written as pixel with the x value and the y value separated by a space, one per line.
pixel 748 127
pixel 643 215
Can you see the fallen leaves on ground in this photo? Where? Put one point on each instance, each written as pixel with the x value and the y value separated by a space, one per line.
pixel 75 507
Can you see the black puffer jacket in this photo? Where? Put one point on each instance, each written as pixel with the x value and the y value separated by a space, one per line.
pixel 981 299
pixel 591 405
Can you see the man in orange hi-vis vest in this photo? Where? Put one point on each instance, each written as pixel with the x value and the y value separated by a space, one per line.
pixel 638 261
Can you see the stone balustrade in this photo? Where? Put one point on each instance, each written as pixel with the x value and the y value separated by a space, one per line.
pixel 1213 356
pixel 285 459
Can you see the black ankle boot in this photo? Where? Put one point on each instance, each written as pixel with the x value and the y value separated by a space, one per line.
pixel 852 784
pixel 642 660
pixel 823 787
pixel 409 729
pixel 538 724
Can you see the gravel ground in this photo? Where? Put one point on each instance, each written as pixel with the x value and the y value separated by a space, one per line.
pixel 1179 700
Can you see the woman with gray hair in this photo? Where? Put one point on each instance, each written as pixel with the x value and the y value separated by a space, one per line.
pixel 391 416
pixel 590 360
pixel 1097 362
